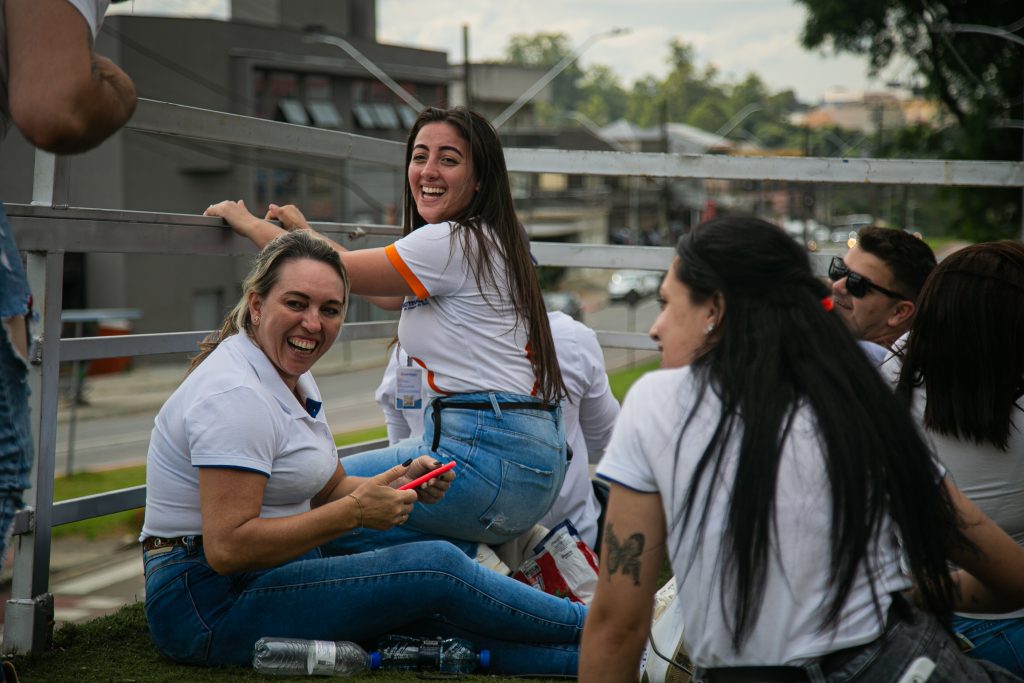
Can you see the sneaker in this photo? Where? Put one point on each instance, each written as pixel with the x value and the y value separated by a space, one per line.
pixel 663 598
pixel 665 655
pixel 486 556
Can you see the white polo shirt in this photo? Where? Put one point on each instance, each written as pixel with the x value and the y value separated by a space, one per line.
pixel 646 455
pixel 589 417
pixel 462 332
pixel 235 411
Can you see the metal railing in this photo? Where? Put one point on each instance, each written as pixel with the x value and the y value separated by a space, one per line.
pixel 47 229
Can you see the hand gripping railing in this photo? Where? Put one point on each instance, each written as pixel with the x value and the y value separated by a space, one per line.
pixel 48 229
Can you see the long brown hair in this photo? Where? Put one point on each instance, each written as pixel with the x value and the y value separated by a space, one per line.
pixel 291 246
pixel 492 206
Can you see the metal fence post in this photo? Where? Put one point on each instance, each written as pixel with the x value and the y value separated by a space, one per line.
pixel 28 616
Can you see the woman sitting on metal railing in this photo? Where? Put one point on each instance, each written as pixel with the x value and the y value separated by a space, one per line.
pixel 789 487
pixel 244 487
pixel 473 319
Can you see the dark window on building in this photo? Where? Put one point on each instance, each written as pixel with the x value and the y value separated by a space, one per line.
pixel 292 111
pixel 324 113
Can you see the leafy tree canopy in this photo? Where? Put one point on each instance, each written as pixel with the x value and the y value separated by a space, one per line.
pixel 976 76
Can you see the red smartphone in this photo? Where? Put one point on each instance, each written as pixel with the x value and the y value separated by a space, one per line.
pixel 427 477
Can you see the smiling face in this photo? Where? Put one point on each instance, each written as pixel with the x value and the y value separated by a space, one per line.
pixel 299 318
pixel 441 174
pixel 681 327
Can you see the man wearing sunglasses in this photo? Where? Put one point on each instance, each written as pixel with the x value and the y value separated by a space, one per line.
pixel 875 286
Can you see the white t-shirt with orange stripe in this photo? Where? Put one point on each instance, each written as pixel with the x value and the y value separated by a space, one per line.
pixel 463 333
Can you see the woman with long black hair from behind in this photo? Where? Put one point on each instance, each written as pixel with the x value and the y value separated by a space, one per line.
pixel 963 375
pixel 473 320
pixel 778 470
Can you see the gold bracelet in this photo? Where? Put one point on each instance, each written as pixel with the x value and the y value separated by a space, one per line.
pixel 359 526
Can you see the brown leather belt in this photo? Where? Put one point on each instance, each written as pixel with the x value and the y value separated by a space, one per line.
pixel 154 542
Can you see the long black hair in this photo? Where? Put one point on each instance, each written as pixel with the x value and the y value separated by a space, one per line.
pixel 966 344
pixel 777 349
pixel 492 206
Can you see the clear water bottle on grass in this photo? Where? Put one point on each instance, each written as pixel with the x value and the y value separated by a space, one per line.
pixel 296 657
pixel 449 655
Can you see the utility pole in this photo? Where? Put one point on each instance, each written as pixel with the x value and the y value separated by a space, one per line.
pixel 465 67
pixel 665 189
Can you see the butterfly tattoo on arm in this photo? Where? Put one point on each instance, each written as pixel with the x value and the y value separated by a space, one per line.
pixel 624 556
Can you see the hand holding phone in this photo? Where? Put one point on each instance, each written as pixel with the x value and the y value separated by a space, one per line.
pixel 427 477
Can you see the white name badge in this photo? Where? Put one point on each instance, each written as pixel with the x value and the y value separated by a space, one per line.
pixel 409 389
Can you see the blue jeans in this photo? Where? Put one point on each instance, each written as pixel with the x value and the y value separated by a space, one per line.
pixel 200 617
pixel 14 292
pixel 511 463
pixel 16 448
pixel 996 640
pixel 910 633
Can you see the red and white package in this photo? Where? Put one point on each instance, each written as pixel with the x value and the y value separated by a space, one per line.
pixel 562 565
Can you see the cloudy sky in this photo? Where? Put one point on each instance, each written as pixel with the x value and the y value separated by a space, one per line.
pixel 738 36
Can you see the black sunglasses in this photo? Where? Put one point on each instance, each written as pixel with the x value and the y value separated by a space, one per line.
pixel 856 284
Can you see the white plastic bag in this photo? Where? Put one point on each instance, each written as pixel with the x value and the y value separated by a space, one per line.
pixel 562 564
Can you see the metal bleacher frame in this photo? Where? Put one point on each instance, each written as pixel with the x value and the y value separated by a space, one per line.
pixel 48 228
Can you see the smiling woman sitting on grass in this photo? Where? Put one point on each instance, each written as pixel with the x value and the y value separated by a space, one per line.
pixel 244 489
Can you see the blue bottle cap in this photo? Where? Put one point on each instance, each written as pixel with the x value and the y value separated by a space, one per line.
pixel 485 659
pixel 374 661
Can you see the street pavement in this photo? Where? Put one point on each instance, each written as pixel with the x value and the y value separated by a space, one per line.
pixel 90 578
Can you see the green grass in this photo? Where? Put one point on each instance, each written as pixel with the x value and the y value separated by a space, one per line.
pixel 88 483
pixel 371 434
pixel 117 648
pixel 622 380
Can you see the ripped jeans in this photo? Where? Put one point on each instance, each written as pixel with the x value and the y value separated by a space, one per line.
pixel 511 463
pixel 16 448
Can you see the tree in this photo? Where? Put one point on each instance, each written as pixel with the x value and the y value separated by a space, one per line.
pixel 601 96
pixel 543 51
pixel 977 78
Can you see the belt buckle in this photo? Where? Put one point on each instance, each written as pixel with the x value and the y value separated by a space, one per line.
pixel 159 546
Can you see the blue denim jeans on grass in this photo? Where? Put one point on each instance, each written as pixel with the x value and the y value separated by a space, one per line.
pixel 511 463
pixel 16 448
pixel 995 640
pixel 200 617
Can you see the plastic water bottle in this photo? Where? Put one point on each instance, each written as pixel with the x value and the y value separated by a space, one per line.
pixel 296 657
pixel 449 655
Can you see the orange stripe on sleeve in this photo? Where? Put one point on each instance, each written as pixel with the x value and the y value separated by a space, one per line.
pixel 410 278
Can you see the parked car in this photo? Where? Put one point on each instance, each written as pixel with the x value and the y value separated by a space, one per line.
pixel 566 302
pixel 624 236
pixel 633 285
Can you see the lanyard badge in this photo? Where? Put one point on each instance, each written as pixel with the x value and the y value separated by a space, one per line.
pixel 409 388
